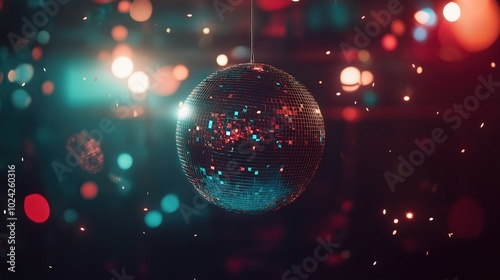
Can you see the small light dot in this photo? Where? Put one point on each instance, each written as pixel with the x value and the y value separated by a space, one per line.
pixel 375 263
pixel 368 110
pixel 437 113
pixel 206 30
pixel 420 70
pixel 406 98
pixel 363 17
pixel 50 266
pixel 189 15
pixel 409 215
pixel 493 65
pixel 482 125
pixel 462 151
pixel 396 221
pixel 44 70
pixel 338 93
pixel 320 82
pixel 195 235
pixel 394 232
pixel 22 159
pixel 390 151
pixel 450 234
pixel 123 187
pixel 384 212
pixel 168 29
pixel 84 18
pixel 84 78
pixel 355 102
pixel 82 229
pixel 23 84
pixel 328 52
pixel 145 209
pixel 413 65
pixel 431 219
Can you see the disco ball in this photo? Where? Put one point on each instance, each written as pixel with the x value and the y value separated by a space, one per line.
pixel 250 138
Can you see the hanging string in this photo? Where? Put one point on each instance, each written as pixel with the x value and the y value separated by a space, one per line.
pixel 252 57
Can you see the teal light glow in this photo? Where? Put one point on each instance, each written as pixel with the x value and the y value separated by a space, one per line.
pixel 70 215
pixel 125 161
pixel 170 203
pixel 21 99
pixel 153 219
pixel 370 98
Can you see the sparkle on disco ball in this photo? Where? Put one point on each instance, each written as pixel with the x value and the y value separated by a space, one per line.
pixel 250 138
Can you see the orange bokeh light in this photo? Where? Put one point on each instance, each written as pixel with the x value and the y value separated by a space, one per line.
pixel 36 53
pixel 119 33
pixel 123 7
pixel 122 50
pixel 141 10
pixel 47 87
pixel 180 72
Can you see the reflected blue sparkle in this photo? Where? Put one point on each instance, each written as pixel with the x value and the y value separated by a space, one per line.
pixel 432 16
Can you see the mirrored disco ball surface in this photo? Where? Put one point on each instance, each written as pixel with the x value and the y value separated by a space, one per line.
pixel 250 138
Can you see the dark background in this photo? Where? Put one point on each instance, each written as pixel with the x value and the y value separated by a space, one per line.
pixel 345 199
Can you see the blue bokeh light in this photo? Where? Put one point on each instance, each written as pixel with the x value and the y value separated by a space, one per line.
pixel 170 203
pixel 125 161
pixel 153 219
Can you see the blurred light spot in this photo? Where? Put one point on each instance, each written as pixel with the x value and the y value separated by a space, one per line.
pixel 43 37
pixel 420 70
pixel 123 7
pixel 189 15
pixel 138 82
pixel 482 125
pixel 240 52
pixel 384 211
pixel 222 60
pixel 184 111
pixel 273 5
pixel 364 55
pixel 479 24
pixel 11 76
pixel 422 17
pixel 396 221
pixel 153 219
pixel 451 12
pixel 122 50
pixel 375 263
pixel 420 34
pixel 370 98
pixel 493 65
pixel 141 10
pixel 206 30
pixel 406 98
pixel 89 190
pixel 119 33
pixel 36 208
pixel 432 20
pixel 328 52
pixel 338 93
pixel 180 72
pixel 350 114
pixel 170 203
pixel 21 99
pixel 350 88
pixel 431 219
pixel 462 151
pixel 70 215
pixel 122 67
pixel 125 161
pixel 36 53
pixel 398 27
pixel 82 229
pixel 350 76
pixel 165 82
pixel 23 73
pixel 47 87
pixel 366 78
pixel 409 215
pixel 394 232
pixel 167 30
pixel 389 42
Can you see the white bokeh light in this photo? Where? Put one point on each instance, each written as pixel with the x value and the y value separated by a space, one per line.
pixel 138 82
pixel 122 67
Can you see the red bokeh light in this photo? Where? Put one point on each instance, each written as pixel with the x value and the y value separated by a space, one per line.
pixel 389 42
pixel 466 218
pixel 273 5
pixel 89 190
pixel 36 208
pixel 36 53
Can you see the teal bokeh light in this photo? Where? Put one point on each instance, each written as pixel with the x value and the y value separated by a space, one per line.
pixel 21 99
pixel 370 98
pixel 70 215
pixel 170 203
pixel 153 219
pixel 124 161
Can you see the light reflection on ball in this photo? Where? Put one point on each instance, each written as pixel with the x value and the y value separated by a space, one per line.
pixel 250 138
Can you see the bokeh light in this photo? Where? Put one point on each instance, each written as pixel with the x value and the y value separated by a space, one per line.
pixel 422 17
pixel 36 53
pixel 125 161
pixel 432 17
pixel 350 76
pixel 240 52
pixel 122 50
pixel 123 6
pixel 122 67
pixel 180 72
pixel 138 82
pixel 420 34
pixel 70 215
pixel 452 11
pixel 363 55
pixel 479 24
pixel 367 78
pixel 119 33
pixel 273 5
pixel 21 99
pixel 165 82
pixel 370 98
pixel 222 60
pixel 389 42
pixel 89 190
pixel 141 10
pixel 350 114
pixel 398 27
pixel 43 37
pixel 170 203
pixel 206 30
pixel 47 87
pixel 23 73
pixel 36 208
pixel 466 218
pixel 153 219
